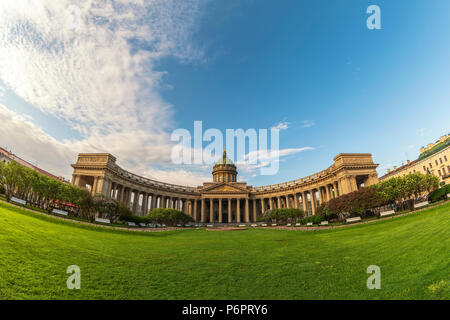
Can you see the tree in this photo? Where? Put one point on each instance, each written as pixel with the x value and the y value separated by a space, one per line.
pixel 11 178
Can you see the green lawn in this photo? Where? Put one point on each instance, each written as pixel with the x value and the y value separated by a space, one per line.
pixel 412 252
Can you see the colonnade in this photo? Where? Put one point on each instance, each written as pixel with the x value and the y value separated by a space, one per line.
pixel 216 210
pixel 142 202
pixel 223 202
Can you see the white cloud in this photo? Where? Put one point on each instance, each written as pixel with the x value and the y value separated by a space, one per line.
pixel 23 138
pixel 265 158
pixel 283 125
pixel 308 123
pixel 96 72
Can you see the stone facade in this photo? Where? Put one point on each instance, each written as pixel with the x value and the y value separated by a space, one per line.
pixel 437 164
pixel 223 201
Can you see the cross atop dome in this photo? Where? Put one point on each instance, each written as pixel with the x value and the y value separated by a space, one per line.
pixel 224 160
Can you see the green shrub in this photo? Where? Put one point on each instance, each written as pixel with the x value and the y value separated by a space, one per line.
pixel 137 219
pixel 169 216
pixel 316 219
pixel 439 194
pixel 282 215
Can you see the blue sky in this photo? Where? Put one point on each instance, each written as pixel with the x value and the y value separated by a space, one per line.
pixel 314 65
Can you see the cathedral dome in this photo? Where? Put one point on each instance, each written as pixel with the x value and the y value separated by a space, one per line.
pixel 224 170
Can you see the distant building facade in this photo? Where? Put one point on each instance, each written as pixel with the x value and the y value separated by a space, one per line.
pixel 433 159
pixel 224 199
pixel 7 156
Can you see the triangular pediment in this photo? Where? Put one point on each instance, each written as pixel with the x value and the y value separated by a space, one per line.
pixel 224 188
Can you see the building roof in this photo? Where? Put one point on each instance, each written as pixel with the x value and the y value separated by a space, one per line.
pixel 435 149
pixel 25 163
pixel 224 160
pixel 393 172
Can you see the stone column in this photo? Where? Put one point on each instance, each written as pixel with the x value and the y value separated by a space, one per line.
pixel 338 188
pixel 203 216
pixel 247 214
pixel 144 208
pixel 263 205
pixel 353 184
pixel 153 204
pixel 278 202
pixel 255 216
pixel 295 200
pixel 305 202
pixel 238 210
pixel 109 184
pixel 288 203
pixel 186 203
pixel 135 201
pixel 327 190
pixel 76 180
pixel 94 186
pixel 313 202
pixel 127 198
pixel 220 210
pixel 270 203
pixel 194 214
pixel 211 210
pixel 229 211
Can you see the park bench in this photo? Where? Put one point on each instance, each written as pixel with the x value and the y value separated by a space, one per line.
pixel 179 225
pixel 163 225
pixel 254 225
pixel 297 224
pixel 264 225
pixel 309 224
pixel 102 220
pixel 324 223
pixel 132 224
pixel 19 201
pixel 288 225
pixel 143 225
pixel 274 224
pixel 242 225
pixel 386 213
pixel 210 225
pixel 60 212
pixel 421 204
pixel 187 225
pixel 350 220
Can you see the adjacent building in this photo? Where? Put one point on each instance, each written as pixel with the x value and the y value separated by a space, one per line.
pixel 433 159
pixel 7 156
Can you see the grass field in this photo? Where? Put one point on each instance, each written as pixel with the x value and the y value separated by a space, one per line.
pixel 412 252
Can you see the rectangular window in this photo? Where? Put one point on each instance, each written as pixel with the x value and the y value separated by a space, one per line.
pixel 439 172
pixel 440 160
pixel 443 170
pixel 431 166
pixel 445 158
pixel 436 162
pixel 424 169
